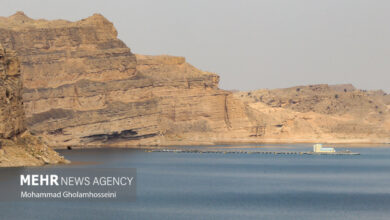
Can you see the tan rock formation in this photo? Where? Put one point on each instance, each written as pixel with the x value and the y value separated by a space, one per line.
pixel 319 113
pixel 84 86
pixel 192 108
pixel 11 91
pixel 17 146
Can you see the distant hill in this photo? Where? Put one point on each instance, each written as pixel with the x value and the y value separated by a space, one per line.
pixel 334 113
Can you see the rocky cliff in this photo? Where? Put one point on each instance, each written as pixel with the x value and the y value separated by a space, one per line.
pixel 84 86
pixel 193 110
pixel 11 91
pixel 319 113
pixel 17 146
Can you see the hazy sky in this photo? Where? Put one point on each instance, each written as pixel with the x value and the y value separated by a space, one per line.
pixel 250 44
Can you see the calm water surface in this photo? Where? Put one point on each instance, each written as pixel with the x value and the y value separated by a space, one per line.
pixel 232 186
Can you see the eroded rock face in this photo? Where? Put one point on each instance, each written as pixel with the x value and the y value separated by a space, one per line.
pixel 191 106
pixel 320 113
pixel 84 86
pixel 55 53
pixel 17 146
pixel 11 90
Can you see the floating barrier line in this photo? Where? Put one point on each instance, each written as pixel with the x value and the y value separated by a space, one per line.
pixel 253 152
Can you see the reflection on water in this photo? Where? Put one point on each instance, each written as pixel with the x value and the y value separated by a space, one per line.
pixel 232 186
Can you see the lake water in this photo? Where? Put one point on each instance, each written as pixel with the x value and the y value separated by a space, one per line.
pixel 232 186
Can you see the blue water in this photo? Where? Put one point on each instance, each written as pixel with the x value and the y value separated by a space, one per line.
pixel 232 186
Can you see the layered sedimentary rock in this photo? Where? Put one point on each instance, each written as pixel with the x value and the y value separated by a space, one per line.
pixel 17 146
pixel 55 53
pixel 319 113
pixel 84 86
pixel 11 91
pixel 192 108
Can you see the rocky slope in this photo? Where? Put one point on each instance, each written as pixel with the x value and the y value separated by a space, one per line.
pixel 17 146
pixel 319 113
pixel 84 86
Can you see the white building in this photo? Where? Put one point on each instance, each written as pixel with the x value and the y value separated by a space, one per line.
pixel 317 148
